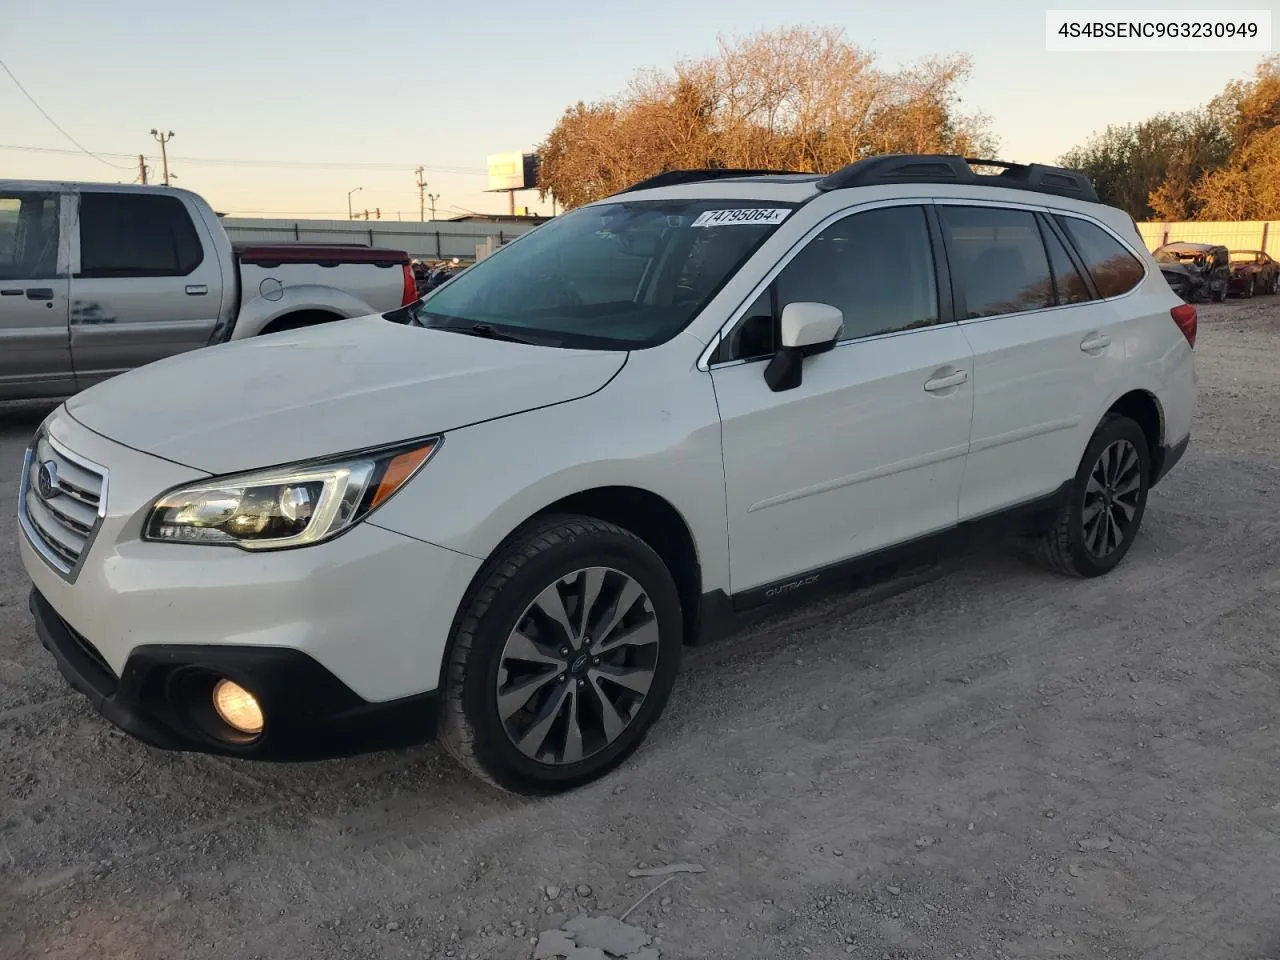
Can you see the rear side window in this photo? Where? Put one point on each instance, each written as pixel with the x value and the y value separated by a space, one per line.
pixel 1066 278
pixel 134 235
pixel 998 260
pixel 1115 270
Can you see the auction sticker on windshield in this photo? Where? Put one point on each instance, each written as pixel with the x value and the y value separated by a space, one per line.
pixel 726 218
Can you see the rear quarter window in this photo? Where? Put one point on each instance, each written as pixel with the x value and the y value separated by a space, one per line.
pixel 1115 270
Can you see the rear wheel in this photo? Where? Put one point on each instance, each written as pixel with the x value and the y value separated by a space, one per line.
pixel 1097 525
pixel 564 657
pixel 1275 284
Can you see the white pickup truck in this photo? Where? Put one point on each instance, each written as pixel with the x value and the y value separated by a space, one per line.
pixel 96 279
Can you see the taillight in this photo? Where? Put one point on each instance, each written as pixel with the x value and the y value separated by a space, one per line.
pixel 410 292
pixel 1184 315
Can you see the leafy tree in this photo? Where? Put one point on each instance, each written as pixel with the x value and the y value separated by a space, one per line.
pixel 1217 162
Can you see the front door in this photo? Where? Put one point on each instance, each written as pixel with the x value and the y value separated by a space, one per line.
pixel 34 356
pixel 869 450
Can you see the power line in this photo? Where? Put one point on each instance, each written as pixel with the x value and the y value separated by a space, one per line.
pixel 57 126
pixel 239 162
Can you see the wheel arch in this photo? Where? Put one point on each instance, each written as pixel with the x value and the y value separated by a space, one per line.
pixel 647 515
pixel 1144 408
pixel 296 319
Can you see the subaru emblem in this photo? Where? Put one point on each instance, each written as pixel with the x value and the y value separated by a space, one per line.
pixel 47 480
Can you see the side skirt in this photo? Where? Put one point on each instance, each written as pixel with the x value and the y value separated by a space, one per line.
pixel 721 614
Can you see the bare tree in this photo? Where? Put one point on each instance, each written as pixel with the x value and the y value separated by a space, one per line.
pixel 796 99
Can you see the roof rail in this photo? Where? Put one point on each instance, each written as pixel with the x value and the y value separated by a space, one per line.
pixel 673 178
pixel 948 168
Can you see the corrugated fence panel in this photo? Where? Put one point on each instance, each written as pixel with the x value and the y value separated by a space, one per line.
pixel 1234 235
pixel 430 240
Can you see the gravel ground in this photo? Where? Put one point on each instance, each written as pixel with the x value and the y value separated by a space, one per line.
pixel 995 762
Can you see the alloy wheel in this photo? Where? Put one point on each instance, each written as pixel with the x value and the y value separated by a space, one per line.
pixel 1111 498
pixel 576 669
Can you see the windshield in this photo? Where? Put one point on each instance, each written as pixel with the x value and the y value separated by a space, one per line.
pixel 613 276
pixel 1244 256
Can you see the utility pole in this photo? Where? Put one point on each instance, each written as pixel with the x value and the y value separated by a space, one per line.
pixel 163 139
pixel 422 185
pixel 433 197
pixel 350 215
pixel 142 169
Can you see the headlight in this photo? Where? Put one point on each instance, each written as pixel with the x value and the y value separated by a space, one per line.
pixel 288 507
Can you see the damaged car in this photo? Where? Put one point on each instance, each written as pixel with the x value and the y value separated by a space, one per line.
pixel 1195 271
pixel 1253 272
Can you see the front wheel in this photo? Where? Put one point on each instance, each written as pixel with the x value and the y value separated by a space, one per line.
pixel 1097 525
pixel 1275 284
pixel 563 657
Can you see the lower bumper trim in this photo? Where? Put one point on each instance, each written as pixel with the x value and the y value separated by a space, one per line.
pixel 310 713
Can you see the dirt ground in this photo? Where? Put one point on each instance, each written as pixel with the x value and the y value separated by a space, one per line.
pixel 998 762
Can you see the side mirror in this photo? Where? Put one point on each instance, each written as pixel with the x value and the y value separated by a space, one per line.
pixel 807 329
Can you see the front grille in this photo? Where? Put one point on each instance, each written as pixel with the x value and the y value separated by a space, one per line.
pixel 61 501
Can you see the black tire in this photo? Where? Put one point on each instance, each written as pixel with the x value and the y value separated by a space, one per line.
pixel 1221 295
pixel 1275 284
pixel 1252 289
pixel 1065 546
pixel 533 559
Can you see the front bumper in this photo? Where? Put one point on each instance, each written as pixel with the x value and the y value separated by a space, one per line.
pixel 161 697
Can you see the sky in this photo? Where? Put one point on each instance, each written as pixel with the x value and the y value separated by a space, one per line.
pixel 280 107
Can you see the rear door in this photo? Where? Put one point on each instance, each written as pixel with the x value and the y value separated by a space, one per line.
pixel 1049 353
pixel 35 359
pixel 145 286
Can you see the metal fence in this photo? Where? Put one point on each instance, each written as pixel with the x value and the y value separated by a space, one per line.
pixel 430 240
pixel 1234 235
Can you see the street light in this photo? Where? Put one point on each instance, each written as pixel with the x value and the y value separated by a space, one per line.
pixel 350 216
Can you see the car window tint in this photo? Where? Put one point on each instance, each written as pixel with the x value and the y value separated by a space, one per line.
pixel 1115 270
pixel 28 236
pixel 998 259
pixel 1070 286
pixel 136 235
pixel 876 267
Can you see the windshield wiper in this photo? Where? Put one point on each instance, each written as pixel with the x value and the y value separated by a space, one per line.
pixel 476 328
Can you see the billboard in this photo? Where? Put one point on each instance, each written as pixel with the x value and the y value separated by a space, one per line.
pixel 513 171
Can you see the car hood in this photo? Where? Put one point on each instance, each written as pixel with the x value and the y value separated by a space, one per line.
pixel 330 389
pixel 1177 268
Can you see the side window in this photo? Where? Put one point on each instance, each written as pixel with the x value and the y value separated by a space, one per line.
pixel 28 236
pixel 754 337
pixel 1069 284
pixel 136 235
pixel 1115 270
pixel 998 259
pixel 877 267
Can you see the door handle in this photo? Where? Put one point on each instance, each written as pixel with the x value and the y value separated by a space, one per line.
pixel 39 293
pixel 1095 341
pixel 7 292
pixel 197 289
pixel 950 380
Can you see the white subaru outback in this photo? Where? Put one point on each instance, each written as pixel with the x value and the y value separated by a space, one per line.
pixel 496 515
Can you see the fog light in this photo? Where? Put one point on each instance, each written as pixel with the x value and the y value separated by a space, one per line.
pixel 237 707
